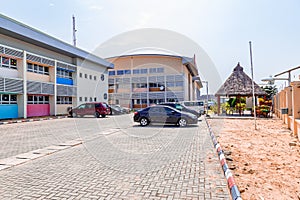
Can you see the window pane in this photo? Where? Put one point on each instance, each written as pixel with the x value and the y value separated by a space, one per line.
pixel 127 71
pixel 29 67
pixel 46 69
pixel 13 98
pixel 5 61
pixel 5 97
pixel 13 63
pixel 120 72
pixel 144 71
pixel 40 99
pixel 111 73
pixel 136 71
pixel 160 70
pixel 35 67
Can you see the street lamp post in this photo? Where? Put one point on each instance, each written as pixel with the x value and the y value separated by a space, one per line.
pixel 206 82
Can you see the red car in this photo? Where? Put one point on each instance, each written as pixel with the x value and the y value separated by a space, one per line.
pixel 93 108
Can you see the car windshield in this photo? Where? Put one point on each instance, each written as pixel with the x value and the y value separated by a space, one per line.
pixel 178 107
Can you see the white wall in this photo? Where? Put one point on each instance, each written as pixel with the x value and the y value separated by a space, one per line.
pixel 87 87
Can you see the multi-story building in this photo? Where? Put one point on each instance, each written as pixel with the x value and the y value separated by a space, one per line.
pixel 41 75
pixel 140 80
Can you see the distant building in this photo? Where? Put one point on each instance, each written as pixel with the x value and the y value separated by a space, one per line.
pixel 41 75
pixel 140 80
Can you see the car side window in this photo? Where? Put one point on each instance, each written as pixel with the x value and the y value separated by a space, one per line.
pixel 81 106
pixel 168 110
pixel 154 110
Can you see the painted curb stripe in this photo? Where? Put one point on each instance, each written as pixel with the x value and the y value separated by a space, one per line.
pixel 234 191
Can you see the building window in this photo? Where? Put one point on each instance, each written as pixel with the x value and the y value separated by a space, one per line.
pixel 37 99
pixel 80 98
pixel 61 73
pixel 136 71
pixel 156 70
pixel 127 71
pixel 8 62
pixel 152 70
pixel 63 100
pixel 85 75
pixel 8 99
pixel 95 99
pixel 85 99
pixel 91 99
pixel 95 78
pixel 112 73
pixel 91 77
pixel 39 69
pixel 102 77
pixel 160 70
pixel 80 75
pixel 120 72
pixel 144 71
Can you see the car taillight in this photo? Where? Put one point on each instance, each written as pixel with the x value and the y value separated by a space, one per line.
pixel 135 113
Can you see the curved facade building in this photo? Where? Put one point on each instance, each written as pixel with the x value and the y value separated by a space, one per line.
pixel 140 80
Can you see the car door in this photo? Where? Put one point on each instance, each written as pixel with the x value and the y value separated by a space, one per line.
pixel 90 109
pixel 154 113
pixel 80 109
pixel 172 115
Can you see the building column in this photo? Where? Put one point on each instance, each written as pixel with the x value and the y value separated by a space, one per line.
pixel 295 106
pixel 219 104
pixel 55 87
pixel 24 85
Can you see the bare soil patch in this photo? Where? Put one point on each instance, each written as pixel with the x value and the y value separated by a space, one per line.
pixel 265 162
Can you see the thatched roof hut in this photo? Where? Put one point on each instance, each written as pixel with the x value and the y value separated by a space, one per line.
pixel 238 84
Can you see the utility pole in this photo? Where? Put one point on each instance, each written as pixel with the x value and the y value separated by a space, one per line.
pixel 74 31
pixel 253 95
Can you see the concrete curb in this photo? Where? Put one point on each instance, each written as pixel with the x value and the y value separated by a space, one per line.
pixel 6 163
pixel 31 120
pixel 234 191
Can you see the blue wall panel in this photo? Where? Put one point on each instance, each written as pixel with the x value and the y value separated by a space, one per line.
pixel 64 81
pixel 8 111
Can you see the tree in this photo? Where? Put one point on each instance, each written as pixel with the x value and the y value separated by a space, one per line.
pixel 270 91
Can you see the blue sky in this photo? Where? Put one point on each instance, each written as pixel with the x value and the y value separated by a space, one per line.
pixel 223 28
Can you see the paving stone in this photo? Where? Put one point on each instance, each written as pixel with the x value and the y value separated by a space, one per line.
pixel 132 163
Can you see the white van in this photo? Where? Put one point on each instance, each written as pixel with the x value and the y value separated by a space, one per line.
pixel 195 105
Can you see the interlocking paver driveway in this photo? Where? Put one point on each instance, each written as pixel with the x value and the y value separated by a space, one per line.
pixel 134 162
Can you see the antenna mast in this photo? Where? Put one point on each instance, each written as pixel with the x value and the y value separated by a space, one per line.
pixel 74 31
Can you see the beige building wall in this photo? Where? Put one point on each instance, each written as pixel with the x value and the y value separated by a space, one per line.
pixel 61 109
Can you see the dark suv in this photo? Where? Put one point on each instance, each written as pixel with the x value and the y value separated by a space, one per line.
pixel 181 107
pixel 93 108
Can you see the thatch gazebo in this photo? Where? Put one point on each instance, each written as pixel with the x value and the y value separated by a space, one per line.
pixel 238 84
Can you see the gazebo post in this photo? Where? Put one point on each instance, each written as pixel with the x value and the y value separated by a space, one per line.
pixel 219 104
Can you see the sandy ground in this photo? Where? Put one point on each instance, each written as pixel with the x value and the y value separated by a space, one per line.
pixel 265 162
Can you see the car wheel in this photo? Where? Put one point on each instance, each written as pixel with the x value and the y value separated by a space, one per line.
pixel 74 114
pixel 144 121
pixel 97 115
pixel 182 122
pixel 103 116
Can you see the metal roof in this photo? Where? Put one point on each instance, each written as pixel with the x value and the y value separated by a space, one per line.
pixel 15 29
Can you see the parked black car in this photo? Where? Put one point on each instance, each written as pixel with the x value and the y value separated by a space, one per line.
pixel 181 107
pixel 164 114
